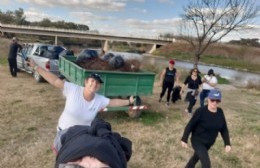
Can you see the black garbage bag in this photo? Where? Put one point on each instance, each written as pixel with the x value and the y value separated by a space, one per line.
pixel 66 53
pixel 86 54
pixel 117 62
pixel 108 56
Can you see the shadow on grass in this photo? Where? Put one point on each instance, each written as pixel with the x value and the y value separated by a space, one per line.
pixel 146 117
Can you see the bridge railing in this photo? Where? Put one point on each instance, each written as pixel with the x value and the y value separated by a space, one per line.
pixel 82 32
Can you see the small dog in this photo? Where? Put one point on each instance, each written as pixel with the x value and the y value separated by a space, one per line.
pixel 176 94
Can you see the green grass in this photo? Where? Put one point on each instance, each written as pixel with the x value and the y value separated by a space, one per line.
pixel 3 60
pixel 150 117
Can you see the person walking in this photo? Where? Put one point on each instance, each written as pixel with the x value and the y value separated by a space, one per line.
pixel 167 80
pixel 205 125
pixel 192 82
pixel 13 49
pixel 82 103
pixel 209 82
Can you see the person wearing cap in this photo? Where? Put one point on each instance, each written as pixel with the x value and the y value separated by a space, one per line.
pixel 167 79
pixel 94 146
pixel 82 103
pixel 13 49
pixel 205 125
pixel 192 83
pixel 209 82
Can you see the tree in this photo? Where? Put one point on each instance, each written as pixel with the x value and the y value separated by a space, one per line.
pixel 207 21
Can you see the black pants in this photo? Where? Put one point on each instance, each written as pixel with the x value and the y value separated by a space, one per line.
pixel 192 101
pixel 200 153
pixel 12 66
pixel 169 86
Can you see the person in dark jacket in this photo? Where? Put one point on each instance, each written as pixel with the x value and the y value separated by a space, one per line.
pixel 192 83
pixel 205 125
pixel 167 79
pixel 93 146
pixel 13 49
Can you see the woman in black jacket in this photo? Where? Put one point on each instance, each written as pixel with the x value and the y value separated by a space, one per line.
pixel 205 125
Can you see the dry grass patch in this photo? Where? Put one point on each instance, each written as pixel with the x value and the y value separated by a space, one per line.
pixel 29 114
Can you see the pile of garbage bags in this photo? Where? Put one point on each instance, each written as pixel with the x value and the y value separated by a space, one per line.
pixel 92 59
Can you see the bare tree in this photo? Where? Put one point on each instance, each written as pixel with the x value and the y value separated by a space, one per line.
pixel 207 21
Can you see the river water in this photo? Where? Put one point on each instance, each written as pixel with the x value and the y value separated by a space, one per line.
pixel 237 77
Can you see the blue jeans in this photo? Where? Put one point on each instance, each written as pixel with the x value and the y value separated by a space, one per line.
pixel 203 95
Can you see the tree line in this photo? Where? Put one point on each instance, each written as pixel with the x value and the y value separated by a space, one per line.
pixel 18 17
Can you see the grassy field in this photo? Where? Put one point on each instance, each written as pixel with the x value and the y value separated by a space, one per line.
pixel 30 111
pixel 29 114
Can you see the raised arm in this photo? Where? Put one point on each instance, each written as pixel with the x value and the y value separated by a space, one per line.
pixel 121 102
pixel 48 76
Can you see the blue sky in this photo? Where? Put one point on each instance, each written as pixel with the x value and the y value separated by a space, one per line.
pixel 146 18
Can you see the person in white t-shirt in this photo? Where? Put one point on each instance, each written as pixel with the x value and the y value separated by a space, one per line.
pixel 209 82
pixel 82 103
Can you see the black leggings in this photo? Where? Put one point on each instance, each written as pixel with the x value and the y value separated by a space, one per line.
pixel 192 101
pixel 169 86
pixel 200 153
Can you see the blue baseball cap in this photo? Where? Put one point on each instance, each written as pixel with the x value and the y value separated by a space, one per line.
pixel 215 94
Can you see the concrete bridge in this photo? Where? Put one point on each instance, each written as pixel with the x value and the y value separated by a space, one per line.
pixel 105 38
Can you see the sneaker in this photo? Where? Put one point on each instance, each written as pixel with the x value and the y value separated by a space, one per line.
pixel 160 99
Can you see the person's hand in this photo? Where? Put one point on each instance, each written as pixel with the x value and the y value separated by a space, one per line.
pixel 131 100
pixel 32 63
pixel 228 148
pixel 184 144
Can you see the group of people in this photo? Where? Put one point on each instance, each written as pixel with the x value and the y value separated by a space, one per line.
pixel 170 77
pixel 207 121
pixel 82 140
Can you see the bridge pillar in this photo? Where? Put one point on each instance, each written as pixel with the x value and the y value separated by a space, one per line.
pixel 105 45
pixel 56 40
pixel 152 49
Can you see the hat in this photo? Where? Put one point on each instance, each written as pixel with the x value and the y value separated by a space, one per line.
pixel 96 76
pixel 215 94
pixel 211 72
pixel 171 61
pixel 97 141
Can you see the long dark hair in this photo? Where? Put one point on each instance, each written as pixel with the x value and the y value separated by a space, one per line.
pixel 193 70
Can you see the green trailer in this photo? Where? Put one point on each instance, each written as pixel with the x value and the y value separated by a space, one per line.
pixel 116 83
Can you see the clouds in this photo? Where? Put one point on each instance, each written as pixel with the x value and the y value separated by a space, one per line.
pixel 105 5
pixel 119 17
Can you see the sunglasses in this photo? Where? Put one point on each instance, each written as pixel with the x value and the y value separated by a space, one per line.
pixel 215 100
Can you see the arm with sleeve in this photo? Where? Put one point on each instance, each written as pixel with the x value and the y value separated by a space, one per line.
pixel 224 132
pixel 191 126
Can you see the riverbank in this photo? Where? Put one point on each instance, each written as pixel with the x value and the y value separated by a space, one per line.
pixel 30 111
pixel 237 57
